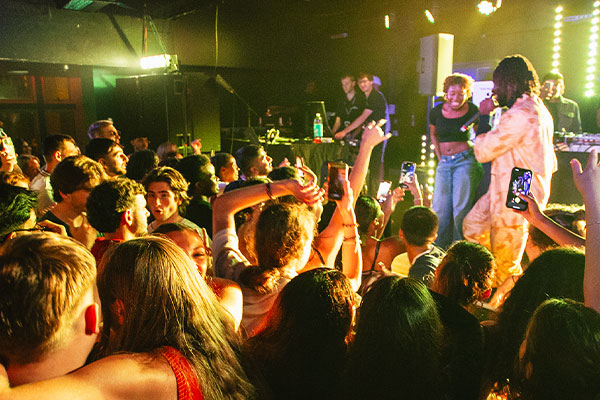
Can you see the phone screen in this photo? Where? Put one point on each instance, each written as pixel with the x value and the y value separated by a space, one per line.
pixel 520 182
pixel 382 192
pixel 407 173
pixel 299 165
pixel 7 146
pixel 338 173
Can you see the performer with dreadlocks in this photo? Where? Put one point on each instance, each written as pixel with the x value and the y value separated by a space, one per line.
pixel 522 138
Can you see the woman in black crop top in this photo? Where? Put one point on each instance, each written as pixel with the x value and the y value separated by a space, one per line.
pixel 458 172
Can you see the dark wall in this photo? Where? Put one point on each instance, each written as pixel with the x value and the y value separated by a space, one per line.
pixel 268 50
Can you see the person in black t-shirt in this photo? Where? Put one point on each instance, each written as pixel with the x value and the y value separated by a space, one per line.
pixel 351 106
pixel 458 172
pixel 375 110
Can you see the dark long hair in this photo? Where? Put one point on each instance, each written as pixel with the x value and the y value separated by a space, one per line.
pixel 396 351
pixel 167 303
pixel 562 354
pixel 302 346
pixel 555 273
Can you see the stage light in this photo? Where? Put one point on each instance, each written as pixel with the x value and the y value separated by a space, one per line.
pixel 557 32
pixel 423 150
pixel 166 62
pixel 486 7
pixel 592 52
pixel 387 21
pixel 424 137
pixel 429 16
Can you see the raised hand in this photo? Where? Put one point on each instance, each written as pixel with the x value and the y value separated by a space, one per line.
pixel 307 192
pixel 373 134
pixel 587 180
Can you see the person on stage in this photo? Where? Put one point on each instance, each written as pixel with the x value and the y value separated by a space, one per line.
pixel 565 112
pixel 375 110
pixel 458 172
pixel 522 138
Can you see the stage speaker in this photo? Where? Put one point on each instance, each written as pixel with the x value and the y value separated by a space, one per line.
pixel 170 107
pixel 435 63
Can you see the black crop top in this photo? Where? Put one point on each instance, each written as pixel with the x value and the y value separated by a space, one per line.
pixel 448 129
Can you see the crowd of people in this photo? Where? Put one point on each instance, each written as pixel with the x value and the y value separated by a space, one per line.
pixel 160 276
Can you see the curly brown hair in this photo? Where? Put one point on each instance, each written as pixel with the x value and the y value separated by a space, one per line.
pixel 465 273
pixel 465 81
pixel 281 234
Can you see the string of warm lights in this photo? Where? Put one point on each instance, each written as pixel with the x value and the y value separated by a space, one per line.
pixel 592 52
pixel 557 32
pixel 425 146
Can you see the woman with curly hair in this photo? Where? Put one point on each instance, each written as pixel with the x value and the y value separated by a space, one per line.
pixel 458 173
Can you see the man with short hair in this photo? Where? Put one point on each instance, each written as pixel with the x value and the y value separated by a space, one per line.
pixel 253 162
pixel 565 112
pixel 199 172
pixel 522 138
pixel 375 110
pixel 72 181
pixel 109 154
pixel 55 148
pixel 18 209
pixel 418 231
pixel 117 208
pixel 167 198
pixel 351 105
pixel 104 128
pixel 49 307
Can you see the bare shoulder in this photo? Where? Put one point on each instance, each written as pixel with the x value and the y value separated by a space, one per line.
pixel 227 285
pixel 120 377
pixel 132 376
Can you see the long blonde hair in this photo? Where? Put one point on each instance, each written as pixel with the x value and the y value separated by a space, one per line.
pixel 167 303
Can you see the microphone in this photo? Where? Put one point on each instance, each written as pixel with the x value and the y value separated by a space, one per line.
pixel 223 83
pixel 470 122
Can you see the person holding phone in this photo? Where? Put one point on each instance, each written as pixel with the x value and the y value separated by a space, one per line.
pixel 458 172
pixel 522 139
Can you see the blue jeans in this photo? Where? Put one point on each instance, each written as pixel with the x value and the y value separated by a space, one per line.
pixel 456 180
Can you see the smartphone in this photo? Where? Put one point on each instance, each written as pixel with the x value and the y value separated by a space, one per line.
pixel 338 173
pixel 384 189
pixel 6 144
pixel 299 165
pixel 520 182
pixel 407 173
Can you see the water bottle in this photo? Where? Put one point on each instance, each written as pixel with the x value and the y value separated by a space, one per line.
pixel 318 128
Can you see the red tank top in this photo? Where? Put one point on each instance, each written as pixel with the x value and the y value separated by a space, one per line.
pixel 188 387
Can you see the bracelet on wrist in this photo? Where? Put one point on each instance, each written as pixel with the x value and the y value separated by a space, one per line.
pixel 351 239
pixel 269 193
